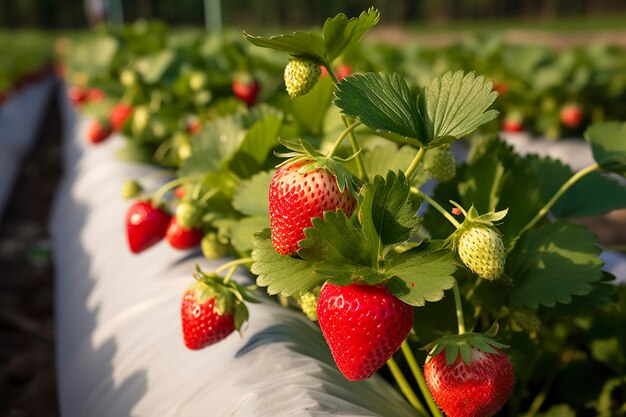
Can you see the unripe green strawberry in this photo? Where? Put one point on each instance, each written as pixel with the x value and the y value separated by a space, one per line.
pixel 482 251
pixel 301 75
pixel 131 189
pixel 308 304
pixel 212 248
pixel 441 164
pixel 526 319
pixel 187 213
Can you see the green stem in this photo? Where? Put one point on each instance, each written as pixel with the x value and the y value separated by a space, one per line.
pixel 207 196
pixel 566 186
pixel 158 195
pixel 360 165
pixel 459 307
pixel 418 158
pixel 437 206
pixel 236 262
pixel 405 387
pixel 230 274
pixel 419 377
pixel 341 137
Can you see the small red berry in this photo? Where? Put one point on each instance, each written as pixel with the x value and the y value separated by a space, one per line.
pixel 182 238
pixel 145 225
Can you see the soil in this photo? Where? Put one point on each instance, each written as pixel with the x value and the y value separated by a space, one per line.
pixel 27 362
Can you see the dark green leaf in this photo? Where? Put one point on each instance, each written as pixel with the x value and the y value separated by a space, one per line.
pixel 593 195
pixel 454 105
pixel 387 211
pixel 608 143
pixel 421 274
pixel 296 44
pixel 551 264
pixel 281 274
pixel 383 102
pixel 335 239
pixel 340 34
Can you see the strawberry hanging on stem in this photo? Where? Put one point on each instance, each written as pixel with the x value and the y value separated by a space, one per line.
pixel 213 307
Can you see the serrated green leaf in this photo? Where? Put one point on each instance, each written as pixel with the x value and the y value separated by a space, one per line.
pixel 251 197
pixel 297 44
pixel 341 34
pixel 421 274
pixel 608 144
pixel 387 211
pixel 279 273
pixel 593 195
pixel 454 105
pixel 551 264
pixel 335 239
pixel 383 102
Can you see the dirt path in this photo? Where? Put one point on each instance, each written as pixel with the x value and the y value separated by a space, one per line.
pixel 27 370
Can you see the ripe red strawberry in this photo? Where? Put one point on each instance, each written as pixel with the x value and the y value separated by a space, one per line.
pixel 145 225
pixel 94 95
pixel 246 89
pixel 202 324
pixel 363 325
pixel 98 131
pixel 295 198
pixel 343 71
pixel 119 115
pixel 500 88
pixel 571 115
pixel 77 95
pixel 479 389
pixel 512 125
pixel 194 126
pixel 180 237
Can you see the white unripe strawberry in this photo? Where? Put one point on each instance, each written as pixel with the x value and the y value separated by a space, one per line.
pixel 301 75
pixel 482 251
pixel 441 164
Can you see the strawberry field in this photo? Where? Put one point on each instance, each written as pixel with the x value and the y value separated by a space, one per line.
pixel 320 223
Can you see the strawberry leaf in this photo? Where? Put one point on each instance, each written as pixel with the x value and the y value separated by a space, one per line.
pixel 310 109
pixel 608 144
pixel 593 195
pixel 338 248
pixel 297 44
pixel 279 273
pixel 258 141
pixel 454 105
pixel 341 33
pixel 551 264
pixel 387 211
pixel 383 102
pixel 242 231
pixel 421 274
pixel 251 197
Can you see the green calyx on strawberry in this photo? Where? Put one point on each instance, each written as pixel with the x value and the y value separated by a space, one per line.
pixel 301 75
pixel 305 186
pixel 468 375
pixel 364 325
pixel 440 163
pixel 479 244
pixel 212 308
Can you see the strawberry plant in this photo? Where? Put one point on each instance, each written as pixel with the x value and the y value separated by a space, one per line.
pixel 490 298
